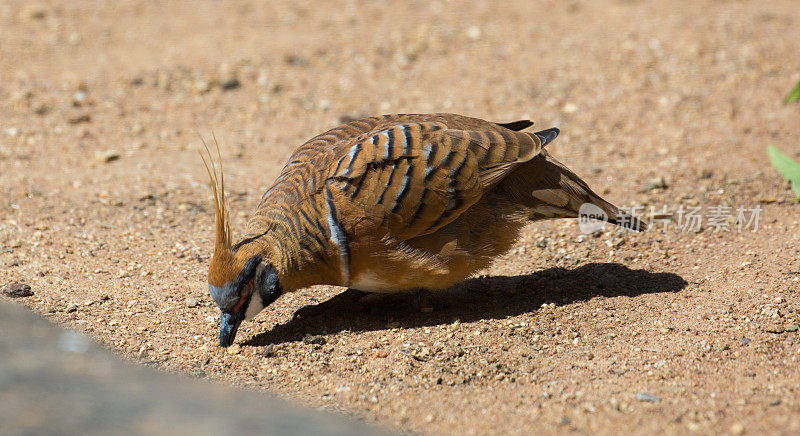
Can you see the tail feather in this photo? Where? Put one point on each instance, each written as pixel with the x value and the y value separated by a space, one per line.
pixel 619 217
pixel 547 135
pixel 629 221
pixel 548 189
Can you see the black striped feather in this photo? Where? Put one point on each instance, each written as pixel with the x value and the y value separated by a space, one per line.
pixel 406 174
pixel 413 178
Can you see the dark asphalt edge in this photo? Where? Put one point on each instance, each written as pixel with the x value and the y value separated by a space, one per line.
pixel 58 381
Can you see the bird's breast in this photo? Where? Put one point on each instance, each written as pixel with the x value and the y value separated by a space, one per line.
pixel 376 280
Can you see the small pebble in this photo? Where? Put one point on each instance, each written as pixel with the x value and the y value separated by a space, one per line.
pixel 72 308
pixel 202 86
pixel 474 33
pixel 315 339
pixel 17 290
pixel 657 183
pixel 35 12
pixel 737 428
pixel 774 328
pixel 268 350
pixel 644 396
pixel 107 156
pixel 83 118
pixel 41 109
pixel 230 83
pixel 228 77
pixel 191 302
pixel 234 349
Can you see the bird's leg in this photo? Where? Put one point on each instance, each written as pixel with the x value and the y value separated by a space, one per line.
pixel 346 299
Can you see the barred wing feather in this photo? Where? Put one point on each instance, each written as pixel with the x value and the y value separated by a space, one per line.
pixel 412 179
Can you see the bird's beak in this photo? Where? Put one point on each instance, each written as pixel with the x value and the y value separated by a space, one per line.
pixel 228 326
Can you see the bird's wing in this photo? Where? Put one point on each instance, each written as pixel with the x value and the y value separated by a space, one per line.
pixel 411 179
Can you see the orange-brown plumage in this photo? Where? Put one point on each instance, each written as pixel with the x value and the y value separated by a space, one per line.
pixel 397 202
pixel 359 169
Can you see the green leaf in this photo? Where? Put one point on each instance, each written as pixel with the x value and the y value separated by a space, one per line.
pixel 794 95
pixel 787 167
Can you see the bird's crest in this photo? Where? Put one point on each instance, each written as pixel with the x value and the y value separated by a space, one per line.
pixel 221 269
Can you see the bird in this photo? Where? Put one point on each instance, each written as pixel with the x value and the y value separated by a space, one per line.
pixel 389 204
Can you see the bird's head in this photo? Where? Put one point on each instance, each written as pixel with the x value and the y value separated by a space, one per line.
pixel 241 283
pixel 241 287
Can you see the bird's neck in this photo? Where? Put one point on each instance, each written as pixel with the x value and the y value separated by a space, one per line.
pixel 298 248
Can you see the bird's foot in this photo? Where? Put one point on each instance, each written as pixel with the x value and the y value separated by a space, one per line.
pixel 344 301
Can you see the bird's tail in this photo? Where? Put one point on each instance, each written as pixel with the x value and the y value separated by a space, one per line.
pixel 548 189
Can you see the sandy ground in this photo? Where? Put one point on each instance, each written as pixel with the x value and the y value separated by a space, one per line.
pixel 106 214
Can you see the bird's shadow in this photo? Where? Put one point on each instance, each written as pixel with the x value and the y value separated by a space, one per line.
pixel 479 298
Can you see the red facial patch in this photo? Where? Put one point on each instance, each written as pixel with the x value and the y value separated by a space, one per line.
pixel 239 304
